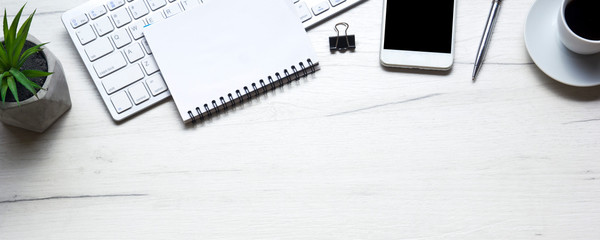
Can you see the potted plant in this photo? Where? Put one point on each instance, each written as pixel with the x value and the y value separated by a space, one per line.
pixel 33 87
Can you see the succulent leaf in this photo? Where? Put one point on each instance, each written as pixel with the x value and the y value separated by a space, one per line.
pixel 3 57
pixel 13 28
pixel 3 89
pixel 27 53
pixel 20 39
pixel 2 76
pixel 5 29
pixel 13 87
pixel 35 73
pixel 28 84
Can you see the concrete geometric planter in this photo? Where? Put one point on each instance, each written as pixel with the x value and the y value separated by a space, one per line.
pixel 37 114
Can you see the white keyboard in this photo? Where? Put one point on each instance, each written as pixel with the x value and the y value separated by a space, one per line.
pixel 108 36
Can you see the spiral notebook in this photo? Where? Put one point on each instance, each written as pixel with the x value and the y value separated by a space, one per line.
pixel 227 51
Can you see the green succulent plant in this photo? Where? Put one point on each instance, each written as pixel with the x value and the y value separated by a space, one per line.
pixel 12 58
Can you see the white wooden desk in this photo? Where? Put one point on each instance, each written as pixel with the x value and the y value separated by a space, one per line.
pixel 354 152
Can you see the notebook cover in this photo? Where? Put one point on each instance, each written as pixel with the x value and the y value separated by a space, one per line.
pixel 222 46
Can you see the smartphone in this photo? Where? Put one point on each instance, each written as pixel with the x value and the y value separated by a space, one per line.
pixel 418 34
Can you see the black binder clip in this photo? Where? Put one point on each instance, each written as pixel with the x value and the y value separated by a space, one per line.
pixel 342 43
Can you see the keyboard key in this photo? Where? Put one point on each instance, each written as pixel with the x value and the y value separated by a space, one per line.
pixel 120 38
pixel 85 34
pixel 320 8
pixel 303 11
pixel 189 4
pixel 154 18
pixel 103 26
pixel 109 64
pixel 156 84
pixel 79 20
pixel 121 17
pixel 114 4
pixel 149 65
pixel 138 93
pixel 336 2
pixel 172 10
pixel 137 29
pixel 121 102
pixel 97 12
pixel 122 78
pixel 134 52
pixel 138 9
pixel 98 48
pixel 156 4
pixel 146 46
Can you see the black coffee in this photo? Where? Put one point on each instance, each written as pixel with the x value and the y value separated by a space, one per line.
pixel 583 18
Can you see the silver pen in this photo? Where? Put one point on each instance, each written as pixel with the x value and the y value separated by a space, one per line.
pixel 487 35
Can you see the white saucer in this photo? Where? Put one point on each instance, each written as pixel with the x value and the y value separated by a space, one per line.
pixel 550 55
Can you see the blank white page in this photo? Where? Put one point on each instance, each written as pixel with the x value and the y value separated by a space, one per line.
pixel 223 45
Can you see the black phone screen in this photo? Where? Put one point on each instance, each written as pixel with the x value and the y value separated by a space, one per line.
pixel 419 25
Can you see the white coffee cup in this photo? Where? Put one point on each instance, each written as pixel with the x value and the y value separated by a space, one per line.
pixel 570 39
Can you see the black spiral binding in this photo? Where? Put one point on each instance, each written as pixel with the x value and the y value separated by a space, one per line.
pixel 289 75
